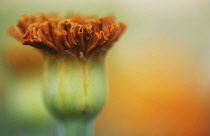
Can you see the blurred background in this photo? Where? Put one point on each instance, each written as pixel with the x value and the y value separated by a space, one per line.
pixel 158 71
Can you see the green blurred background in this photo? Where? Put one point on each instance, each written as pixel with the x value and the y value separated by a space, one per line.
pixel 158 71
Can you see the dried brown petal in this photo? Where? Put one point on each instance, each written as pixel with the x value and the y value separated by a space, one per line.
pixel 77 34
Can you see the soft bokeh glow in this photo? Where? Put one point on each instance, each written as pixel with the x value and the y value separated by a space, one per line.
pixel 158 72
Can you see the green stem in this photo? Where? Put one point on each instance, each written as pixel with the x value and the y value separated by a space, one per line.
pixel 74 93
pixel 75 127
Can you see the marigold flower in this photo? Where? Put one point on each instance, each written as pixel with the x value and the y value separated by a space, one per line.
pixel 74 84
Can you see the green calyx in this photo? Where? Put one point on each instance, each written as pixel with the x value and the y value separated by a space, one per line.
pixel 74 88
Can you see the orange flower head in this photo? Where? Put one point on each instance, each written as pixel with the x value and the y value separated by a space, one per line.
pixel 78 35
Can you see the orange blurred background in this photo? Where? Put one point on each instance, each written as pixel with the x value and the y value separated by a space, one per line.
pixel 158 72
